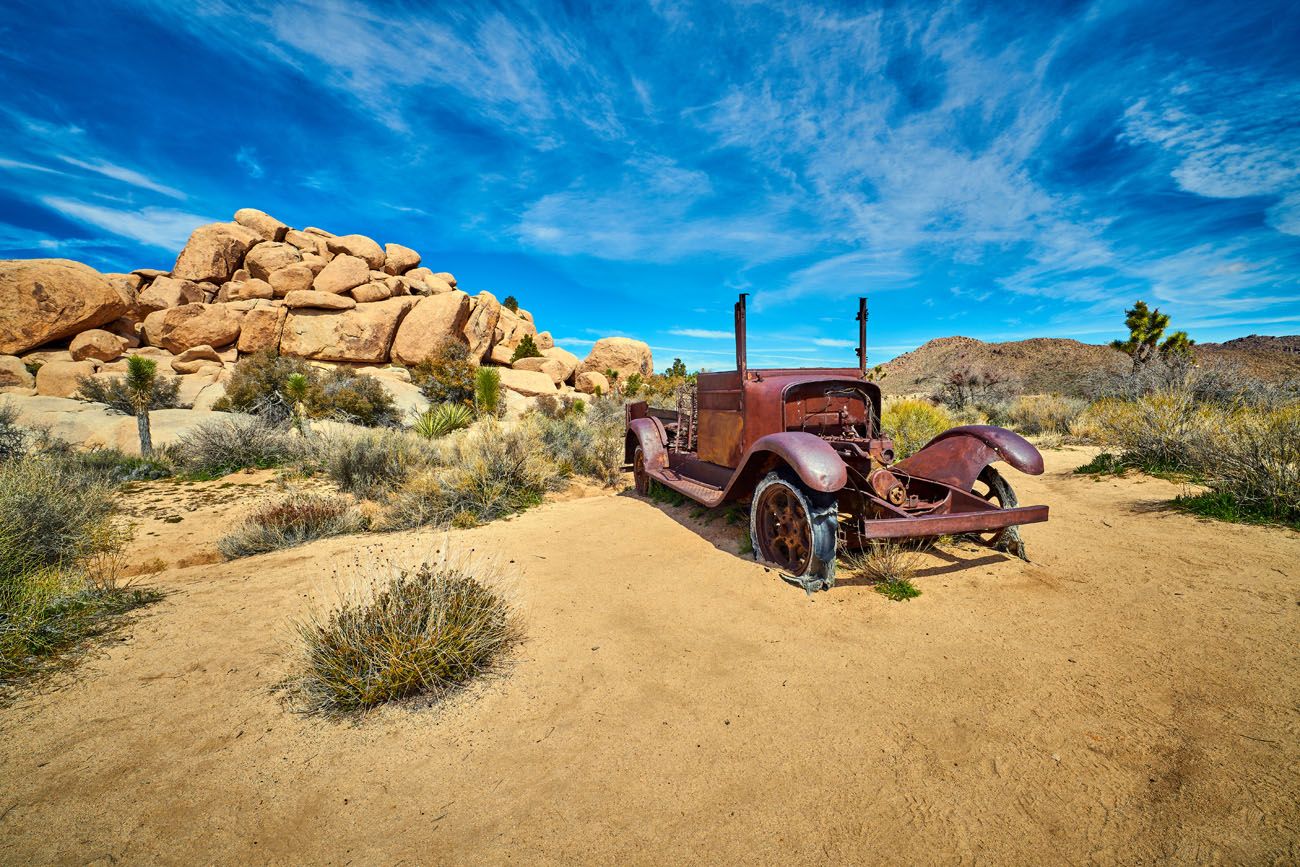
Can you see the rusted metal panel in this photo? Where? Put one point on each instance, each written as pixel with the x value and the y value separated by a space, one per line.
pixel 721 432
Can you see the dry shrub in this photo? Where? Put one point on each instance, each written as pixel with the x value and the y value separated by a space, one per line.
pixel 912 423
pixel 259 385
pixel 403 633
pixel 60 558
pixel 291 520
pixel 1044 413
pixel 370 463
pixel 225 445
pixel 1254 460
pixel 486 472
pixel 1158 432
pixel 586 441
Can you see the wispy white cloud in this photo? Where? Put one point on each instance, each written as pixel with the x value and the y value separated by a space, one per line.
pixel 157 227
pixel 703 333
pixel 123 174
pixel 246 157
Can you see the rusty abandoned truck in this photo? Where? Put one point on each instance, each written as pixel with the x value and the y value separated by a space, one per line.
pixel 805 448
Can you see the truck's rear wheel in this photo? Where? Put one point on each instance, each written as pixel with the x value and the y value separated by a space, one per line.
pixel 639 474
pixel 794 529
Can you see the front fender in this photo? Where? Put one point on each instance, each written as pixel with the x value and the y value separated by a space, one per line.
pixel 812 458
pixel 956 456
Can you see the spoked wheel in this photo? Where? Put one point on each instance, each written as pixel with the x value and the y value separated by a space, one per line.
pixel 793 529
pixel 639 475
pixel 992 487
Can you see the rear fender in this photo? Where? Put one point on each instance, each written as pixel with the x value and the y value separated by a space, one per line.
pixel 956 456
pixel 648 433
pixel 810 457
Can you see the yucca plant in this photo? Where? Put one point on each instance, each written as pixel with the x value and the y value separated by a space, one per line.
pixel 487 390
pixel 296 388
pixel 442 419
pixel 141 379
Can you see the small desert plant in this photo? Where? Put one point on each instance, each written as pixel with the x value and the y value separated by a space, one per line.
pixel 355 398
pixel 115 392
pixel 411 632
pixel 447 374
pixel 888 567
pixel 487 391
pixel 291 520
pixel 912 423
pixel 487 473
pixel 1044 413
pixel 225 445
pixel 527 348
pixel 442 419
pixel 370 464
pixel 633 385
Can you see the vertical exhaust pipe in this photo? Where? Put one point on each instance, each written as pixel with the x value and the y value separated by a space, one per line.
pixel 862 336
pixel 742 349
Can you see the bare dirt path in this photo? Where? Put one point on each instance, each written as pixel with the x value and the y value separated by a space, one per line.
pixel 1130 696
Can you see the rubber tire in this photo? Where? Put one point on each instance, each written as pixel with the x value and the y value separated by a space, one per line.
pixel 823 516
pixel 1010 542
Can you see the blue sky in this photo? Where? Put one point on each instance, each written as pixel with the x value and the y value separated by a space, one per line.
pixel 998 170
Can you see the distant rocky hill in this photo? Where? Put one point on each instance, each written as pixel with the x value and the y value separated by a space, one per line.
pixel 1049 364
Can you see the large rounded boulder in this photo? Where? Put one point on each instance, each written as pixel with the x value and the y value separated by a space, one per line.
pixel 49 299
pixel 214 252
pixel 622 354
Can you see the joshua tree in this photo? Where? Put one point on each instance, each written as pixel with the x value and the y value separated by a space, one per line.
pixel 296 387
pixel 612 375
pixel 141 380
pixel 1145 328
pixel 676 369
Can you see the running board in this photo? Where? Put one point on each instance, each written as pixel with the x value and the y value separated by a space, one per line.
pixel 704 494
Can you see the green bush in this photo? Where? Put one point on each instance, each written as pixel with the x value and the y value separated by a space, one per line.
pixel 291 520
pixel 112 392
pixel 913 423
pixel 15 439
pixel 420 631
pixel 527 348
pixel 270 386
pixel 221 446
pixel 511 303
pixel 447 374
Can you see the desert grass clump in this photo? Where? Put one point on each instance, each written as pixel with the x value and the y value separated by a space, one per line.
pixel 1044 413
pixel 912 423
pixel 586 441
pixel 888 567
pixel 442 419
pixel 291 520
pixel 221 446
pixel 1159 433
pixel 116 467
pixel 487 472
pixel 410 632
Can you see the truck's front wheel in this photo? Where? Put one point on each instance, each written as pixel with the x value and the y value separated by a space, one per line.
pixel 794 529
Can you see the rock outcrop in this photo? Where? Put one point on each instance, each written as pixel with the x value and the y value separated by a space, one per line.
pixel 258 285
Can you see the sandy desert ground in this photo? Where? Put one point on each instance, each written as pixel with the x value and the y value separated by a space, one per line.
pixel 1130 696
